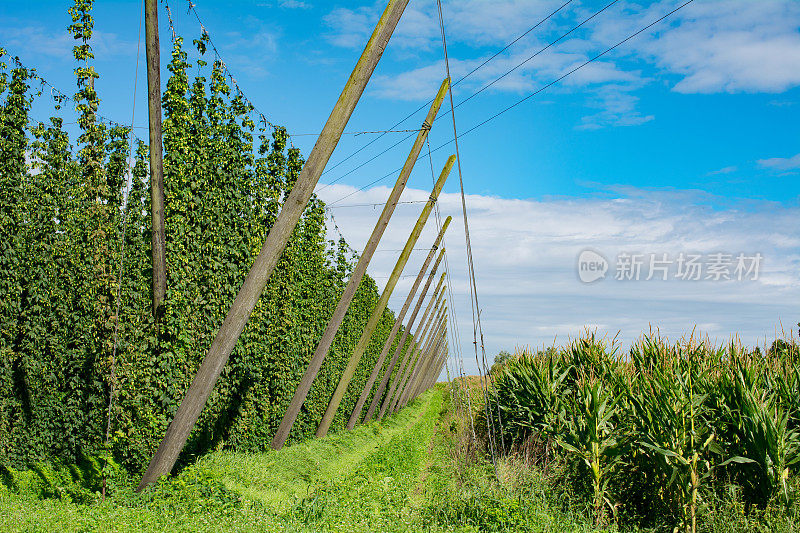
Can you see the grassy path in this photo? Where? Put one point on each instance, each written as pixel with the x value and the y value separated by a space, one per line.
pixel 348 481
pixel 339 460
pixel 403 474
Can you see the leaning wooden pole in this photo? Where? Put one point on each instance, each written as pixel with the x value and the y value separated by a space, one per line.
pixel 422 361
pixel 159 258
pixel 430 367
pixel 433 376
pixel 355 279
pixel 383 301
pixel 419 337
pixel 403 393
pixel 239 313
pixel 418 349
pixel 399 349
pixel 427 316
pixel 387 345
pixel 442 363
pixel 433 368
pixel 425 363
pixel 422 376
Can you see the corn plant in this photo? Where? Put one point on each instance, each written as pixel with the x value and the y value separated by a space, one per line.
pixel 666 426
pixel 765 437
pixel 591 433
pixel 530 390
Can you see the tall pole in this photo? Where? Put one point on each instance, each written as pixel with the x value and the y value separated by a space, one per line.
pixel 425 354
pixel 420 340
pixel 436 369
pixel 398 350
pixel 377 311
pixel 156 155
pixel 274 244
pixel 442 363
pixel 433 365
pixel 417 348
pixel 433 304
pixel 422 375
pixel 422 360
pixel 355 278
pixel 395 329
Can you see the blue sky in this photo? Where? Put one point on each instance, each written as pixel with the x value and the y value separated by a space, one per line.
pixel 683 138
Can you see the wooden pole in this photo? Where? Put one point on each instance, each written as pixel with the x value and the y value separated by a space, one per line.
pixel 388 373
pixel 433 354
pixel 380 307
pixel 442 363
pixel 239 313
pixel 436 368
pixel 433 367
pixel 430 311
pixel 395 329
pixel 418 347
pixel 422 361
pixel 425 367
pixel 425 374
pixel 358 273
pixel 156 156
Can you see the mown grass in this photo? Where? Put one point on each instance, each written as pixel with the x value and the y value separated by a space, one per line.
pixel 350 481
pixel 420 470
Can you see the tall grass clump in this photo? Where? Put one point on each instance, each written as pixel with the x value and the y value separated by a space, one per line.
pixel 661 434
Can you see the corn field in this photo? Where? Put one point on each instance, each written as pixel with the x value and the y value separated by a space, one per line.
pixel 658 431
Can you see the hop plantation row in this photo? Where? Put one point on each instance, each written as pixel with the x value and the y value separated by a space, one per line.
pixel 656 435
pixel 62 208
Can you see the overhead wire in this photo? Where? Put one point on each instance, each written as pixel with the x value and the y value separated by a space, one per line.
pixel 426 104
pixel 357 133
pixel 123 230
pixel 401 141
pixel 453 318
pixel 470 266
pixel 226 71
pixel 59 96
pixel 526 98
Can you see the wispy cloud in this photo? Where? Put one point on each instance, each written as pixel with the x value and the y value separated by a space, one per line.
pixel 723 170
pixel 38 41
pixel 707 47
pixel 781 163
pixel 525 254
pixel 287 4
pixel 730 46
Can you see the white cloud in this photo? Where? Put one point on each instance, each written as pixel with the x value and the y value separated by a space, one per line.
pixel 707 47
pixel 525 254
pixel 294 4
pixel 723 170
pixel 352 27
pixel 288 4
pixel 617 108
pixel 731 46
pixel 781 163
pixel 39 41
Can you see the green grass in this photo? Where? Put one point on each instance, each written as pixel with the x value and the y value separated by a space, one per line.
pixel 350 481
pixel 406 473
pixel 416 471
